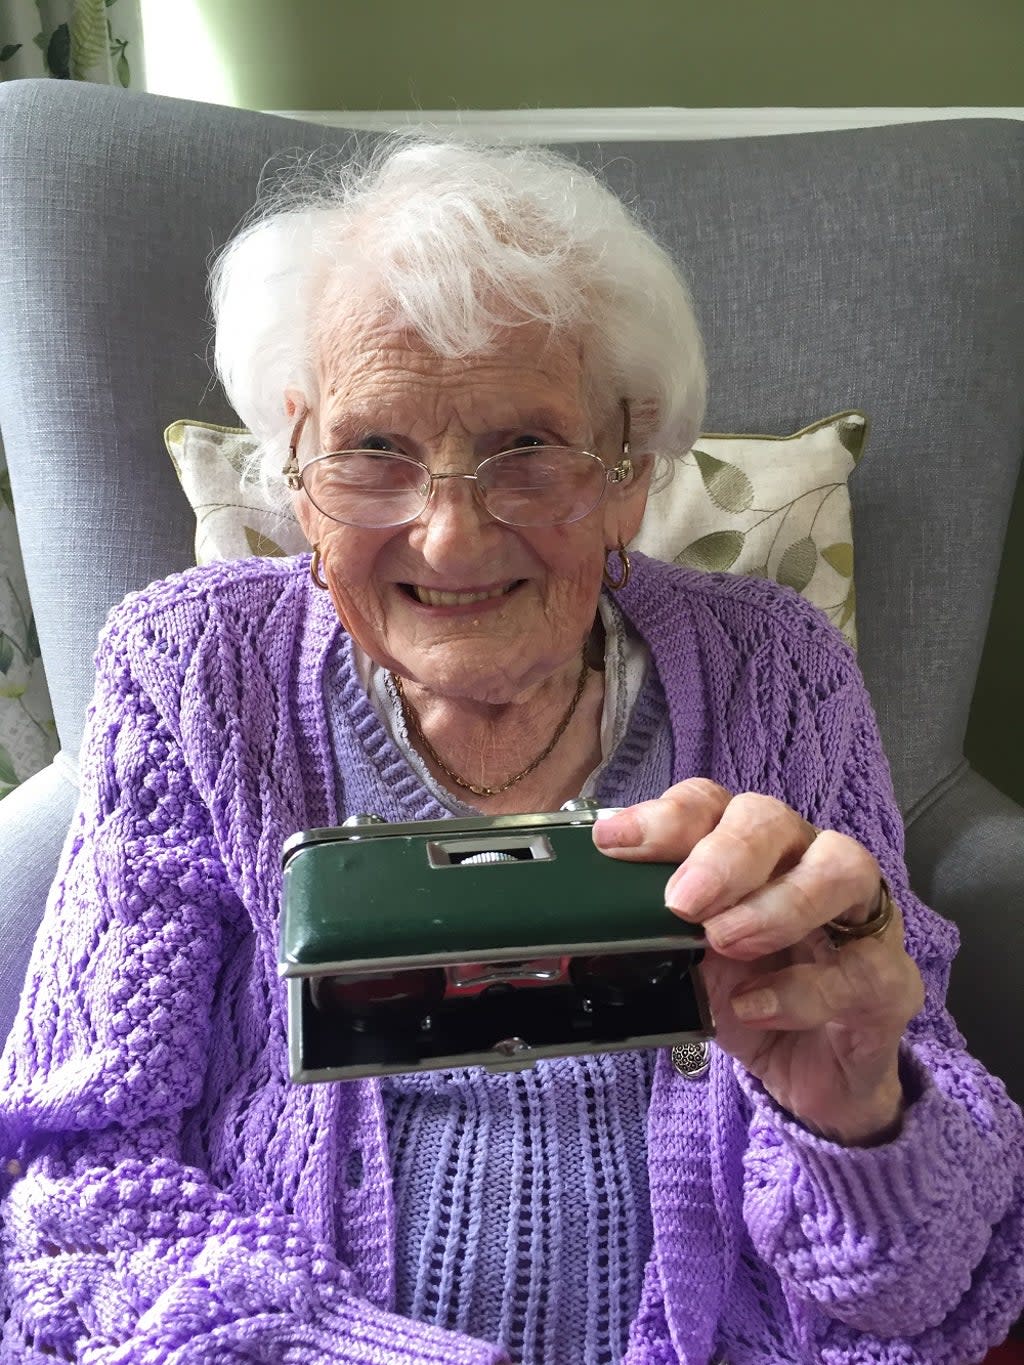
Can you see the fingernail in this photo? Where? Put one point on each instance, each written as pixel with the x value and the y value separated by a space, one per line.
pixel 618 831
pixel 759 1004
pixel 677 891
pixel 690 890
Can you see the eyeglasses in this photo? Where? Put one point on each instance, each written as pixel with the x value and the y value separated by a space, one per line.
pixel 530 486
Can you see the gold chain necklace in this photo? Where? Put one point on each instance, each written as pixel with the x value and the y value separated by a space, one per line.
pixel 413 724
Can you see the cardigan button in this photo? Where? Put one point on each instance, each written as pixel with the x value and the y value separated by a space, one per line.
pixel 692 1060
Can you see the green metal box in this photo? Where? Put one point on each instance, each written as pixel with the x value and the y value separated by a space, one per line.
pixel 490 941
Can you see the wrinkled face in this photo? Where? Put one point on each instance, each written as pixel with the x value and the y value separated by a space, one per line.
pixel 466 606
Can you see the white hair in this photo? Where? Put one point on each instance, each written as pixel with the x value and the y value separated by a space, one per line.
pixel 459 242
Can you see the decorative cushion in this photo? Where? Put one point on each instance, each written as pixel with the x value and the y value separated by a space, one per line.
pixel 775 506
pixel 232 517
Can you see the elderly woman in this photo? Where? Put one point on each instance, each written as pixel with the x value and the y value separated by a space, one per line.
pixel 471 366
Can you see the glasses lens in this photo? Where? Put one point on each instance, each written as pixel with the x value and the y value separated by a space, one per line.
pixel 367 488
pixel 542 485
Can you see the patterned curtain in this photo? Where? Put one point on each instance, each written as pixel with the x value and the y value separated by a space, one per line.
pixel 78 40
pixel 85 40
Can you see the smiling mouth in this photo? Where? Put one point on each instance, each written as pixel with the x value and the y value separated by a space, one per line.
pixel 434 597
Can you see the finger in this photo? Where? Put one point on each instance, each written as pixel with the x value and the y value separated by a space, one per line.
pixel 836 879
pixel 756 838
pixel 865 985
pixel 664 830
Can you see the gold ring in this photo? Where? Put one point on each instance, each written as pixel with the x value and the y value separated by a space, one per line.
pixel 838 932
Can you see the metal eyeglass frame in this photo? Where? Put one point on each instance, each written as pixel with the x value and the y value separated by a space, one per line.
pixel 617 474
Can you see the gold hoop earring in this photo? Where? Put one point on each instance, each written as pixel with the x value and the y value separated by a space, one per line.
pixel 314 568
pixel 614 584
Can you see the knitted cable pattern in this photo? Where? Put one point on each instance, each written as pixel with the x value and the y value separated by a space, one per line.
pixel 172 1198
pixel 834 1224
pixel 176 1209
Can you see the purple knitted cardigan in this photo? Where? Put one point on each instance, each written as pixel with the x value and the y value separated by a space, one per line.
pixel 171 1198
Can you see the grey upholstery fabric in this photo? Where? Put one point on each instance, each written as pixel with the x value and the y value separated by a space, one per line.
pixel 964 853
pixel 879 269
pixel 111 206
pixel 34 821
pixel 875 268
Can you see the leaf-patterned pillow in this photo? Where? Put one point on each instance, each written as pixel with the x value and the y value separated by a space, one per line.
pixel 773 506
pixel 232 517
pixel 776 506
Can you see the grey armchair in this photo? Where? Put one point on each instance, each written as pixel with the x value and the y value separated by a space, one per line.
pixel 875 268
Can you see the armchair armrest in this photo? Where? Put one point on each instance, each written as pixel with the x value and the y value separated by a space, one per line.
pixel 965 855
pixel 34 821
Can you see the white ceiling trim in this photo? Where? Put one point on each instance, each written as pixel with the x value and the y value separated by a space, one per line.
pixel 592 125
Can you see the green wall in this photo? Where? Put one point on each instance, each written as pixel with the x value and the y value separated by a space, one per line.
pixel 491 54
pixel 479 54
pixel 995 734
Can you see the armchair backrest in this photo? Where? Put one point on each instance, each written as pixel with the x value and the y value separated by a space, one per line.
pixel 877 268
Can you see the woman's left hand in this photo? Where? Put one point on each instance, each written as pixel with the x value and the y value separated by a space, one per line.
pixel 819 1028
